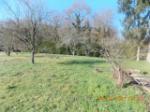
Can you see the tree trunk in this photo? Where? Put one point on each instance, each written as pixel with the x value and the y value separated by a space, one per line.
pixel 138 53
pixel 87 52
pixel 33 49
pixel 148 54
pixel 33 53
pixel 33 43
pixel 73 53
pixel 118 75
pixel 8 53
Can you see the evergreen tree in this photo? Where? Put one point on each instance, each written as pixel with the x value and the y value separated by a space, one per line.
pixel 136 21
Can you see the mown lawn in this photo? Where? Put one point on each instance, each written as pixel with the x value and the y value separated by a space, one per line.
pixel 63 84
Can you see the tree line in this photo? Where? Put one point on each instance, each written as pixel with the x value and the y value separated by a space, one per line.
pixel 32 27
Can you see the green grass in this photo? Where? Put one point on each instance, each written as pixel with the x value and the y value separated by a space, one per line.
pixel 142 65
pixel 62 84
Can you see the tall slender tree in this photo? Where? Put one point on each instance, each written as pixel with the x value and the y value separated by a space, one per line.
pixel 137 13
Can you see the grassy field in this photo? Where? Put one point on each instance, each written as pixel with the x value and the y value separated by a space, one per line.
pixel 64 84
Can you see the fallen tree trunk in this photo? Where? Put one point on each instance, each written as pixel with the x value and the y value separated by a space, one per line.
pixel 132 77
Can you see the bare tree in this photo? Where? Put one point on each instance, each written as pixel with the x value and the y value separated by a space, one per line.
pixel 27 24
pixel 87 38
pixel 77 15
pixel 7 37
pixel 104 30
pixel 56 25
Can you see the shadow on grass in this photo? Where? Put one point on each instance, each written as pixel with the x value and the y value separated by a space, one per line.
pixel 82 62
pixel 131 83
